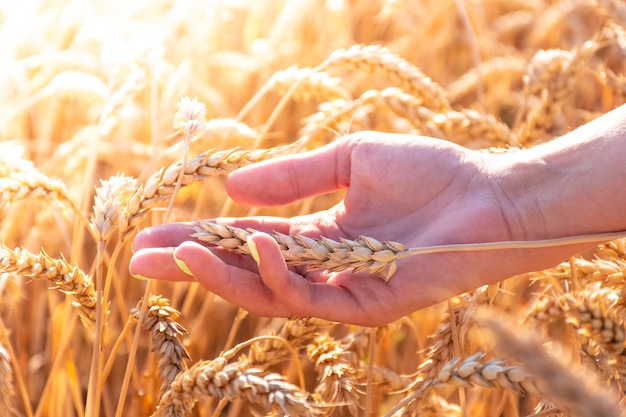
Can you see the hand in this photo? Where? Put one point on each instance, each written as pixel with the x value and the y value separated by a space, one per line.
pixel 414 190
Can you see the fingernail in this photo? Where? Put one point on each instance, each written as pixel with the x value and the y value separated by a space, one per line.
pixel 182 265
pixel 253 250
pixel 140 277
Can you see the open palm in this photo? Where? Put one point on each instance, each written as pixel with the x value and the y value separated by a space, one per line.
pixel 414 190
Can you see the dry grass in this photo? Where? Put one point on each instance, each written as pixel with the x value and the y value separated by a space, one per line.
pixel 98 139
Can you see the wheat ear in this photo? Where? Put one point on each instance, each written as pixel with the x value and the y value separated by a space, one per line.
pixel 233 381
pixel 380 61
pixel 111 198
pixel 160 186
pixel 337 378
pixel 68 279
pixel 22 185
pixel 311 84
pixel 550 79
pixel 473 371
pixel 571 392
pixel 296 333
pixel 161 322
pixel 441 348
pixel 362 254
pixel 607 272
pixel 462 126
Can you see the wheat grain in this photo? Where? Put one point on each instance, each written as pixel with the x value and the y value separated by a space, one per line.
pixel 615 249
pixel 596 319
pixel 190 117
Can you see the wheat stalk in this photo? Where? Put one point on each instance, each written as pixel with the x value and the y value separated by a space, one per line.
pixel 7 390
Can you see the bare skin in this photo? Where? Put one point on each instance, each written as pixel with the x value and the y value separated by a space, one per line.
pixel 414 190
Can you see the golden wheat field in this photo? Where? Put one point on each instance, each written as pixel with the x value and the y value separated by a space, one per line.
pixel 118 115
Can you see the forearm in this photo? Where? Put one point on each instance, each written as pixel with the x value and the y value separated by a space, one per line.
pixel 574 185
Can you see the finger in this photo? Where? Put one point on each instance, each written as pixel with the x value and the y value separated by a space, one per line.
pixel 156 263
pixel 301 297
pixel 239 286
pixel 284 180
pixel 165 235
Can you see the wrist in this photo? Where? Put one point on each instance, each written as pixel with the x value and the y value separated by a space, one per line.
pixel 569 186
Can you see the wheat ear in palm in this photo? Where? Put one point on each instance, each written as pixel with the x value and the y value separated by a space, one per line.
pixel 364 253
pixel 361 254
